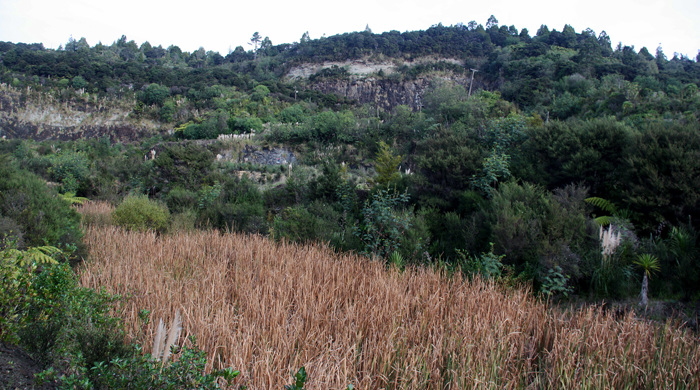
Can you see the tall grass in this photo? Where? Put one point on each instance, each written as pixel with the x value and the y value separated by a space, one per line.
pixel 266 309
pixel 96 212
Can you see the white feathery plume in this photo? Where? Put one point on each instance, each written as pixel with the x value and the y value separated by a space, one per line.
pixel 173 335
pixel 157 350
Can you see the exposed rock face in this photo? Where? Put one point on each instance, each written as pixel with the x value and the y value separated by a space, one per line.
pixel 267 156
pixel 15 128
pixel 31 115
pixel 384 93
pixel 364 86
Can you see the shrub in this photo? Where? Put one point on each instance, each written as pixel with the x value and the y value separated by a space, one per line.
pixel 69 168
pixel 43 217
pixel 383 225
pixel 141 213
pixel 184 221
pixel 180 199
pixel 142 372
pixel 44 310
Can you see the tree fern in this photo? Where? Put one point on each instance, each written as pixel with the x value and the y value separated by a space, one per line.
pixel 605 205
pixel 602 204
pixel 72 199
pixel 38 255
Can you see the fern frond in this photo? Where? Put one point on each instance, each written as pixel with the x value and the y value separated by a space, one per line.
pixel 603 220
pixel 72 199
pixel 602 204
pixel 38 254
pixel 43 254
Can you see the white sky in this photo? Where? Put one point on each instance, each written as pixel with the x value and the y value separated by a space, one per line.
pixel 220 25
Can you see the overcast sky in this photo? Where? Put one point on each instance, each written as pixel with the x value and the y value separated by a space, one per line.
pixel 223 25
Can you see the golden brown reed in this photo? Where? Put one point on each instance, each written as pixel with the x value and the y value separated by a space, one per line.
pixel 267 309
pixel 96 212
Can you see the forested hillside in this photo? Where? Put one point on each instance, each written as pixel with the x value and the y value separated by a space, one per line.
pixel 482 147
pixel 474 176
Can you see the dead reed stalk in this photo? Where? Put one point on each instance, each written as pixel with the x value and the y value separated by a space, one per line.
pixel 96 213
pixel 267 309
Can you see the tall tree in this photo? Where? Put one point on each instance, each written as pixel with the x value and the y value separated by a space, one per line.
pixel 492 22
pixel 255 42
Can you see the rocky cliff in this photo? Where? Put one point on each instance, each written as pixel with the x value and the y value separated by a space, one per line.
pixel 385 93
pixel 33 115
pixel 378 83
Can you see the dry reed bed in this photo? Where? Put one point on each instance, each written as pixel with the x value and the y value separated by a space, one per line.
pixel 267 309
pixel 96 212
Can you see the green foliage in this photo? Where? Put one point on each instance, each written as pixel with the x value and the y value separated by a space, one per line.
pixel 140 371
pixel 612 276
pixel 325 186
pixel 41 215
pixel 495 168
pixel 538 230
pixel 292 114
pixel 488 265
pixel 387 165
pixel 45 311
pixel 183 165
pixel 396 260
pixel 662 182
pixel 207 195
pixel 239 125
pixel 555 282
pixel 72 199
pixel 383 225
pixel 69 168
pixel 329 126
pixel 648 263
pixel 602 204
pixel 682 255
pixel 141 213
pixel 155 94
pixel 17 268
pixel 180 199
pixel 167 112
pixel 296 224
pixel 299 380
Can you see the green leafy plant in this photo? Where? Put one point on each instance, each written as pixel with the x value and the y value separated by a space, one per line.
pixel 649 265
pixel 141 371
pixel 299 380
pixel 605 205
pixel 71 198
pixel 555 282
pixel 488 265
pixel 383 225
pixel 208 194
pixel 17 268
pixel 387 165
pixel 141 213
pixel 42 217
pixel 396 260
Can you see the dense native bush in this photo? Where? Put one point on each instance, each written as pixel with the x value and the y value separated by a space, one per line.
pixel 45 311
pixel 318 222
pixel 538 230
pixel 185 165
pixel 71 169
pixel 41 215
